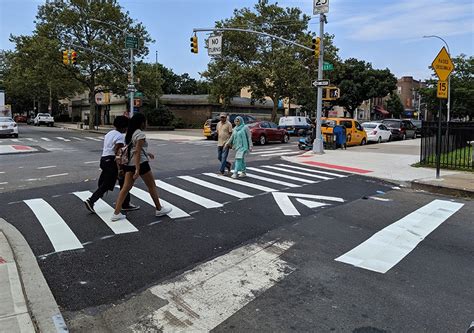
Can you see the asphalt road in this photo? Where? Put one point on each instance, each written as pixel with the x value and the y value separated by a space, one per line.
pixel 316 215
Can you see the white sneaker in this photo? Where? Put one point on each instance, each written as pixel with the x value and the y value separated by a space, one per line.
pixel 117 217
pixel 234 175
pixel 242 175
pixel 163 211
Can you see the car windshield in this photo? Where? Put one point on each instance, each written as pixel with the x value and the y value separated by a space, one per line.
pixel 369 125
pixel 392 123
pixel 5 119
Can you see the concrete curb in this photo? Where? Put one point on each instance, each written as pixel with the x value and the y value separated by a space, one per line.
pixel 41 304
pixel 445 190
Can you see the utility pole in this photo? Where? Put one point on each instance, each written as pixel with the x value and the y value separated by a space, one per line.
pixel 130 113
pixel 156 69
pixel 318 147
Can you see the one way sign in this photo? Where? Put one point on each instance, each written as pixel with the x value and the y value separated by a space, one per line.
pixel 214 45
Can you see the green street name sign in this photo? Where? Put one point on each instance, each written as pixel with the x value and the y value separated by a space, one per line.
pixel 328 66
pixel 131 42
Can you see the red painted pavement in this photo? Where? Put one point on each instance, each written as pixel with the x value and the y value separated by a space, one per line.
pixel 18 147
pixel 338 167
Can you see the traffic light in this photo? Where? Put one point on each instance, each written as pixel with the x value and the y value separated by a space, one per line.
pixel 316 46
pixel 331 93
pixel 194 44
pixel 66 57
pixel 73 57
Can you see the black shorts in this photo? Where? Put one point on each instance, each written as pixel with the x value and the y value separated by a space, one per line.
pixel 144 168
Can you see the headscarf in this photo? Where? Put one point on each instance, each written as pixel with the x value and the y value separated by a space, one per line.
pixel 241 140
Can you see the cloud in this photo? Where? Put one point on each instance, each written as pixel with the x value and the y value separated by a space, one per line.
pixel 407 19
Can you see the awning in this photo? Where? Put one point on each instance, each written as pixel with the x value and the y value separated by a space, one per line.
pixel 381 110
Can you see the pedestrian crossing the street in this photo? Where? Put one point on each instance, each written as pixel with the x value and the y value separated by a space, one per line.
pixel 185 194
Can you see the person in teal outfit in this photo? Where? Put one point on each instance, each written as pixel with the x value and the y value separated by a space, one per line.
pixel 241 142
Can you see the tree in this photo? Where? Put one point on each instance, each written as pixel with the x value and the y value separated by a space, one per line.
pixel 358 82
pixel 269 67
pixel 70 22
pixel 395 105
pixel 150 81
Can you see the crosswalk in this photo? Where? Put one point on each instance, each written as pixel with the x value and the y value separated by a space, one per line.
pixel 262 151
pixel 29 140
pixel 185 194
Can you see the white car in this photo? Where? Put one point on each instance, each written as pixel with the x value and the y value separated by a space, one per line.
pixel 43 118
pixel 377 132
pixel 8 127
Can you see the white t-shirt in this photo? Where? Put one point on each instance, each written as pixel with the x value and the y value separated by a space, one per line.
pixel 110 140
pixel 138 135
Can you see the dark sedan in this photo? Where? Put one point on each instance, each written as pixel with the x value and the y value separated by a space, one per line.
pixel 401 129
pixel 266 131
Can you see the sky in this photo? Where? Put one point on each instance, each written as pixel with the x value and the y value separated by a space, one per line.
pixel 388 34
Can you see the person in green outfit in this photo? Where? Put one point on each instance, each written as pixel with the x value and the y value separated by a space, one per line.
pixel 241 142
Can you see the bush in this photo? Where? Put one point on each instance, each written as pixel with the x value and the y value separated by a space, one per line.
pixel 179 123
pixel 161 116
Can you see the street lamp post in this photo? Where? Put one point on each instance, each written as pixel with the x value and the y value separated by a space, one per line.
pixel 448 107
pixel 131 65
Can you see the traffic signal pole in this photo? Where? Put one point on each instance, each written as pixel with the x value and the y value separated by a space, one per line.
pixel 318 147
pixel 130 113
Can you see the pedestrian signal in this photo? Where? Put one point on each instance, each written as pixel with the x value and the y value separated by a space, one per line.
pixel 194 44
pixel 73 57
pixel 331 93
pixel 66 57
pixel 316 46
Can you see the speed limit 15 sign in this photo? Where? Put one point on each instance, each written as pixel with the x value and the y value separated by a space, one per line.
pixel 320 6
pixel 442 91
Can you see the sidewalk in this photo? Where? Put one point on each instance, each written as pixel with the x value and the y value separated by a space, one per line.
pixel 26 302
pixel 392 161
pixel 176 135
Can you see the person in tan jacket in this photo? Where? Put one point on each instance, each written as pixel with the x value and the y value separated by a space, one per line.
pixel 224 131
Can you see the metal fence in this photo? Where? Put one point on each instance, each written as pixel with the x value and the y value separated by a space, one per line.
pixel 457 145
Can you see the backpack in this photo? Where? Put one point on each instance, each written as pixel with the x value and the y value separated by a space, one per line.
pixel 123 155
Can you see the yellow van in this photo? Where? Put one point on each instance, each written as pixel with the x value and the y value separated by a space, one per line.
pixel 355 134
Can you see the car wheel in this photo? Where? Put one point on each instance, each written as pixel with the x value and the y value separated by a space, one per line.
pixel 389 138
pixel 414 135
pixel 379 140
pixel 15 135
pixel 286 138
pixel 363 142
pixel 262 140
pixel 404 137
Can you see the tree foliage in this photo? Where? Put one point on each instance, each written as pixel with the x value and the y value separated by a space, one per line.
pixel 395 105
pixel 70 22
pixel 269 67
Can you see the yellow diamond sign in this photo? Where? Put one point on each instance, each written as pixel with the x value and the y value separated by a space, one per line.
pixel 443 65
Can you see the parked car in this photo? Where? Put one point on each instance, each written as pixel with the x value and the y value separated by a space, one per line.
pixel 266 131
pixel 355 134
pixel 43 118
pixel 418 124
pixel 295 124
pixel 377 132
pixel 209 128
pixel 401 129
pixel 20 119
pixel 8 127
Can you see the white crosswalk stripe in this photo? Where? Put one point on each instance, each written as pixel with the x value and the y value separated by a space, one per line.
pixel 176 213
pixel 31 139
pixel 241 182
pixel 62 139
pixel 92 138
pixel 271 180
pixel 204 202
pixel 282 153
pixel 267 150
pixel 46 139
pixel 312 170
pixel 104 211
pixel 76 138
pixel 296 172
pixel 215 187
pixel 58 232
pixel 282 175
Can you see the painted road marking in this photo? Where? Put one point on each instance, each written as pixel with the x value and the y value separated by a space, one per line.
pixel 61 138
pixel 3 183
pixel 46 167
pixel 281 175
pixel 15 140
pixel 79 139
pixel 204 202
pixel 390 245
pixel 31 139
pixel 297 172
pixel 215 187
pixel 91 138
pixel 61 236
pixel 283 201
pixel 278 154
pixel 45 139
pixel 268 151
pixel 90 162
pixel 57 175
pixel 241 182
pixel 105 212
pixel 204 297
pixel 271 180
pixel 337 167
pixel 176 213
pixel 312 170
